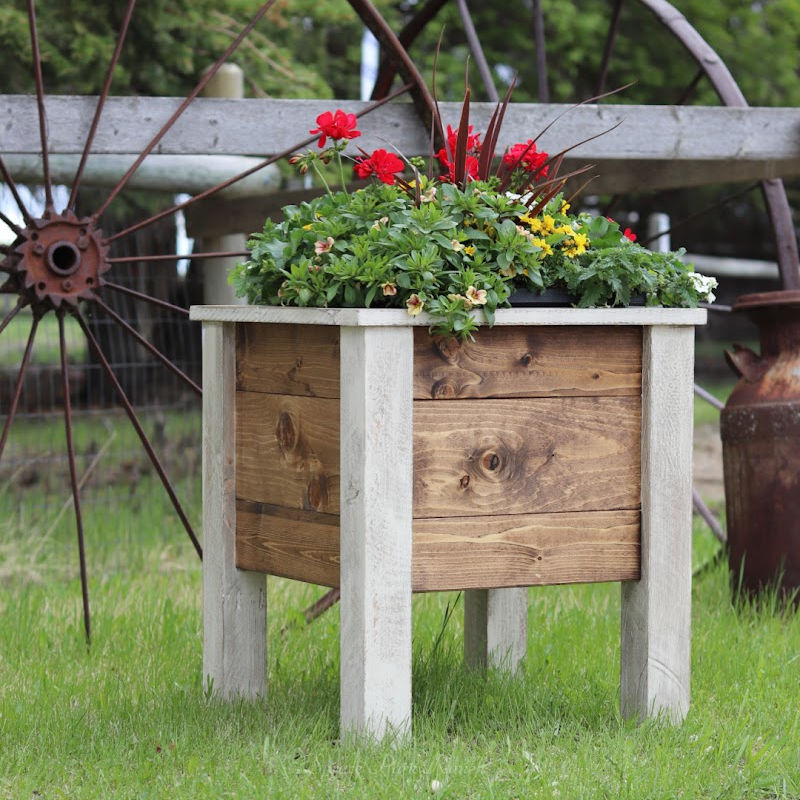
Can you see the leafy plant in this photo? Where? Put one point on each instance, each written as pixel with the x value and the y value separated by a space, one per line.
pixel 451 243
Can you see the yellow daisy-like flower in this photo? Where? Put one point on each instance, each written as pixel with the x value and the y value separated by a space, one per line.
pixel 548 224
pixel 470 249
pixel 565 229
pixel 577 245
pixel 544 246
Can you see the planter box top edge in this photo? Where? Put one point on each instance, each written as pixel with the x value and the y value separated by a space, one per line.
pixel 397 317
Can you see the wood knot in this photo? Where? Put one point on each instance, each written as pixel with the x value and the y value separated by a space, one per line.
pixel 317 493
pixel 491 461
pixel 448 347
pixel 464 482
pixel 443 390
pixel 286 432
pixel 526 360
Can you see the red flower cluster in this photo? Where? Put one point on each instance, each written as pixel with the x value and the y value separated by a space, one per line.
pixel 381 164
pixel 337 125
pixel 473 151
pixel 525 155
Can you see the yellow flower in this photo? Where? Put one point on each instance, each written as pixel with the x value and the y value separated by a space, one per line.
pixel 548 224
pixel 576 246
pixel 565 229
pixel 470 249
pixel 307 227
pixel 389 289
pixel 581 240
pixel 414 305
pixel 544 246
pixel 565 206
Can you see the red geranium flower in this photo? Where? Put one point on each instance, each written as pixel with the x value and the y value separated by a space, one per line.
pixel 381 164
pixel 471 163
pixel 629 234
pixel 473 140
pixel 337 125
pixel 529 158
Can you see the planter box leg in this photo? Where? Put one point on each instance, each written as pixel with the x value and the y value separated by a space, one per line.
pixel 656 610
pixel 234 601
pixel 376 508
pixel 495 627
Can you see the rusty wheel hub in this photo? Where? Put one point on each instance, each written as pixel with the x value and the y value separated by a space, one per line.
pixel 58 259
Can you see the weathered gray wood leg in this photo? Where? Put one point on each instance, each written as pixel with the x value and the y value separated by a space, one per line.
pixel 656 610
pixel 376 498
pixel 495 627
pixel 234 601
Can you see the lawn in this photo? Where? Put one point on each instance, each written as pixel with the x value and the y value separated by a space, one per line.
pixel 130 717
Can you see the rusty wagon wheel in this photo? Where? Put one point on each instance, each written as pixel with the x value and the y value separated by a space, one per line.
pixel 63 263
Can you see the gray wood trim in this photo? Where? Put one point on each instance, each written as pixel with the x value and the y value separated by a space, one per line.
pixel 234 601
pixel 656 610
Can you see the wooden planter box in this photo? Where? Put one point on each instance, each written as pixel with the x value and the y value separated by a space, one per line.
pixel 349 447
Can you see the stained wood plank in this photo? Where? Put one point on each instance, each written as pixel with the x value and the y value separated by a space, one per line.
pixel 525 550
pixel 288 359
pixel 293 544
pixel 529 362
pixel 287 451
pixel 518 456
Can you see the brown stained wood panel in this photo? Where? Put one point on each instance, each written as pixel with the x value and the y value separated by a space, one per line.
pixel 526 361
pixel 292 544
pixel 520 456
pixel 287 451
pixel 288 359
pixel 525 550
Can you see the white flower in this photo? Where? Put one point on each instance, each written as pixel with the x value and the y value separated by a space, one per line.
pixel 704 284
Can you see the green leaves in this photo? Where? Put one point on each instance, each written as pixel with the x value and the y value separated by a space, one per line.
pixel 457 256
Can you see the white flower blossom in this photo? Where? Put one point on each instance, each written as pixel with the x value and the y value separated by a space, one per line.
pixel 704 285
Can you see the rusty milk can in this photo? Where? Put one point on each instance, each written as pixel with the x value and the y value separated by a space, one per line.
pixel 760 429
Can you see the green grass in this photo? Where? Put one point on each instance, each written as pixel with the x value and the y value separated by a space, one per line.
pixel 46 349
pixel 129 717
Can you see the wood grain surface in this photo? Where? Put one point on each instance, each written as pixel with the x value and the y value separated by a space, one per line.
pixel 529 362
pixel 519 456
pixel 287 451
pixel 525 550
pixel 287 359
pixel 293 544
pixel 448 554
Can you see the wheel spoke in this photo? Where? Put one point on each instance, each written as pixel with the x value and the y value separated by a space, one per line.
pixel 101 101
pixel 713 207
pixel 14 227
pixel 209 74
pixel 709 518
pixel 146 298
pixel 708 397
pixel 317 609
pixel 541 52
pixel 23 368
pixel 177 256
pixel 13 188
pixel 230 181
pixel 73 477
pixel 477 51
pixel 126 404
pixel 148 346
pixel 13 313
pixel 37 74
pixel 608 49
pixel 689 90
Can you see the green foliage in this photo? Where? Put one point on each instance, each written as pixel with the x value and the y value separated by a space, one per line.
pixel 449 253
